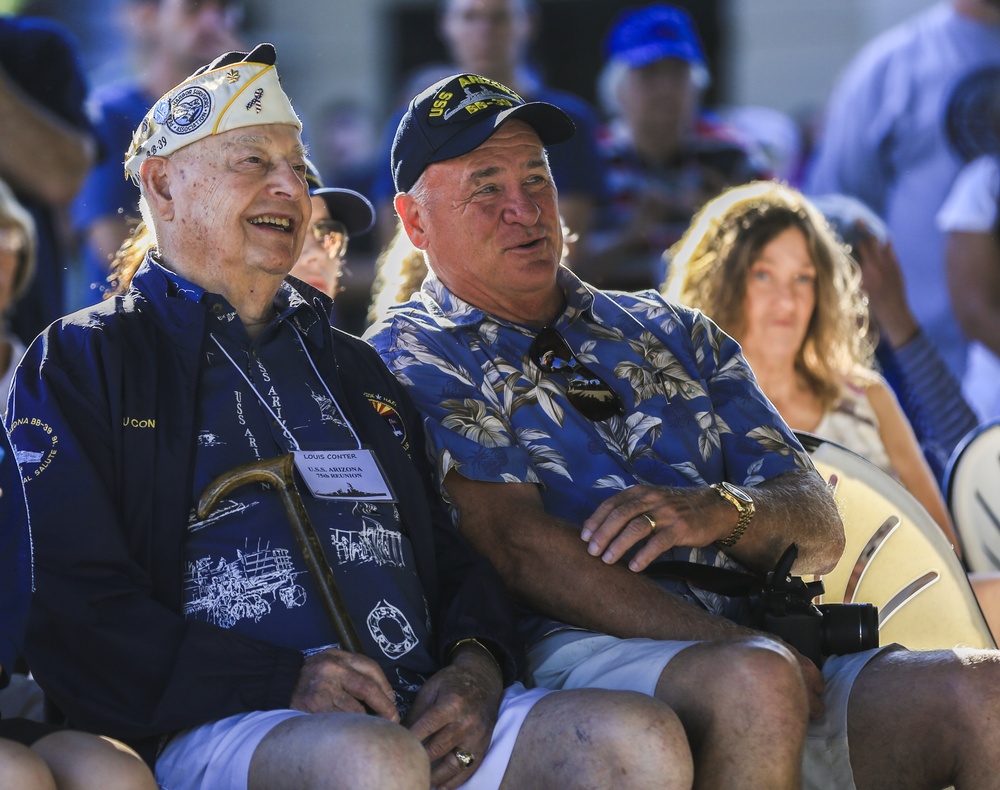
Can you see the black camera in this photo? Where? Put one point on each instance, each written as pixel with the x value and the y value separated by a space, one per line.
pixel 785 609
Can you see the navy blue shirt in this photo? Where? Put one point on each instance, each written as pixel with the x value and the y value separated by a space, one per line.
pixel 243 568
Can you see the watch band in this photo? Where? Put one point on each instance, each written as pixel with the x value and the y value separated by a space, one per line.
pixel 746 510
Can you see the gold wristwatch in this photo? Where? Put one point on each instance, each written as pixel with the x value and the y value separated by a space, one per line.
pixel 744 504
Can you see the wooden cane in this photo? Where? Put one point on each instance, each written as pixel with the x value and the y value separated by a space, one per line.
pixel 278 472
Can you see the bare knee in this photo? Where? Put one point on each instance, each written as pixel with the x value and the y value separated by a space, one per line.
pixel 765 669
pixel 643 743
pixel 747 677
pixel 972 686
pixel 22 768
pixel 598 738
pixel 926 716
pixel 340 752
pixel 81 761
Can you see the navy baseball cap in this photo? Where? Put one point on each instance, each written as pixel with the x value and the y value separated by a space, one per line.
pixel 458 114
pixel 641 36
pixel 345 205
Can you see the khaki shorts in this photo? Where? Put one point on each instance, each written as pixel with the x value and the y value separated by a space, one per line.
pixel 216 756
pixel 582 659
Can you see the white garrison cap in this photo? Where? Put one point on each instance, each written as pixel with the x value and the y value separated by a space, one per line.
pixel 237 89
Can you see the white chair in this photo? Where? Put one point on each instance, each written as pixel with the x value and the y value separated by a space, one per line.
pixel 972 488
pixel 896 557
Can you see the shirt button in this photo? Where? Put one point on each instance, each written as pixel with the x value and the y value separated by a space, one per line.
pixel 217 309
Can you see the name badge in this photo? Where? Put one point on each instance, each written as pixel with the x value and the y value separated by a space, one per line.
pixel 343 474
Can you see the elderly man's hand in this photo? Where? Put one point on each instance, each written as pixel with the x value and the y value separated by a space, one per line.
pixel 457 709
pixel 335 681
pixel 667 517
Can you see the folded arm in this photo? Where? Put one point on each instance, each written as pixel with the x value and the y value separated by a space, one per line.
pixel 546 565
pixel 792 507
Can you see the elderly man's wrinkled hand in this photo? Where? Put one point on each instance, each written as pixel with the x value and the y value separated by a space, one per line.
pixel 457 710
pixel 662 517
pixel 335 681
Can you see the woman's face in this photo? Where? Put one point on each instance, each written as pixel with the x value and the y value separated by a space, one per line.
pixel 780 297
pixel 317 265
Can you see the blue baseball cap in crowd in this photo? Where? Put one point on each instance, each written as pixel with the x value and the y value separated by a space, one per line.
pixel 351 208
pixel 458 114
pixel 641 36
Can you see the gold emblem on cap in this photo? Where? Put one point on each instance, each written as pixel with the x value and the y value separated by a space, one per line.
pixel 233 76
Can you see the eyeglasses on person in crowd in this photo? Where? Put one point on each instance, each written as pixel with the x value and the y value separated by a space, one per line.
pixel 586 392
pixel 11 239
pixel 332 236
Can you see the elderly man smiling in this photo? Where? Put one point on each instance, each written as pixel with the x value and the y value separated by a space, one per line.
pixel 213 638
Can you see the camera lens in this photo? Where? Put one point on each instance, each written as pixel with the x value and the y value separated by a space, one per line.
pixel 849 628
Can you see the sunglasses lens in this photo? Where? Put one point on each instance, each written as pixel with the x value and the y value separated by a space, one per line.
pixel 550 352
pixel 585 390
pixel 332 237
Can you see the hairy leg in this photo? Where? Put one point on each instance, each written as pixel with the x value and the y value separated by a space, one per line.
pixel 339 751
pixel 744 707
pixel 81 761
pixel 591 738
pixel 927 720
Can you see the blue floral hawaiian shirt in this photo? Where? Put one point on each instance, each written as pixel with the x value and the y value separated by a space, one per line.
pixel 694 414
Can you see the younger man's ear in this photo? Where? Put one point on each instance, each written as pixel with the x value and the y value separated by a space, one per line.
pixel 411 216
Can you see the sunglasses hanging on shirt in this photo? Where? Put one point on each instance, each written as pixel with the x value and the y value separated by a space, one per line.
pixel 586 392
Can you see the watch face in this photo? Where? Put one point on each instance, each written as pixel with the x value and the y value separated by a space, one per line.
pixel 739 493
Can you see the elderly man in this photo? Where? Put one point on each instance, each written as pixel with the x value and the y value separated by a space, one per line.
pixel 209 629
pixel 560 412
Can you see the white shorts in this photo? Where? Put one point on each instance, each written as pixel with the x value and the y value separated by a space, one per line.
pixel 216 756
pixel 582 659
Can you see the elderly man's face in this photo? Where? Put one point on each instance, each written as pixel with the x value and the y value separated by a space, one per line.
pixel 490 222
pixel 239 201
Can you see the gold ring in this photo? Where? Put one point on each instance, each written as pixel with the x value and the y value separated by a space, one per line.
pixel 465 758
pixel 649 518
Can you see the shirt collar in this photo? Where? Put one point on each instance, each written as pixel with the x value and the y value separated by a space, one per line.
pixel 449 309
pixel 289 304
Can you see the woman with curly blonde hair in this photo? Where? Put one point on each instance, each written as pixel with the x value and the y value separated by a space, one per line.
pixel 762 261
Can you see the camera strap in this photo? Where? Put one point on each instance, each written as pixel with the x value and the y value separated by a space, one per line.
pixel 722 581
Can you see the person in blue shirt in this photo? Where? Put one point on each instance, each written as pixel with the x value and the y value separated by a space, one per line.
pixel 584 437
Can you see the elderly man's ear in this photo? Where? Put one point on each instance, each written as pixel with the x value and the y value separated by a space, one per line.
pixel 154 174
pixel 411 217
